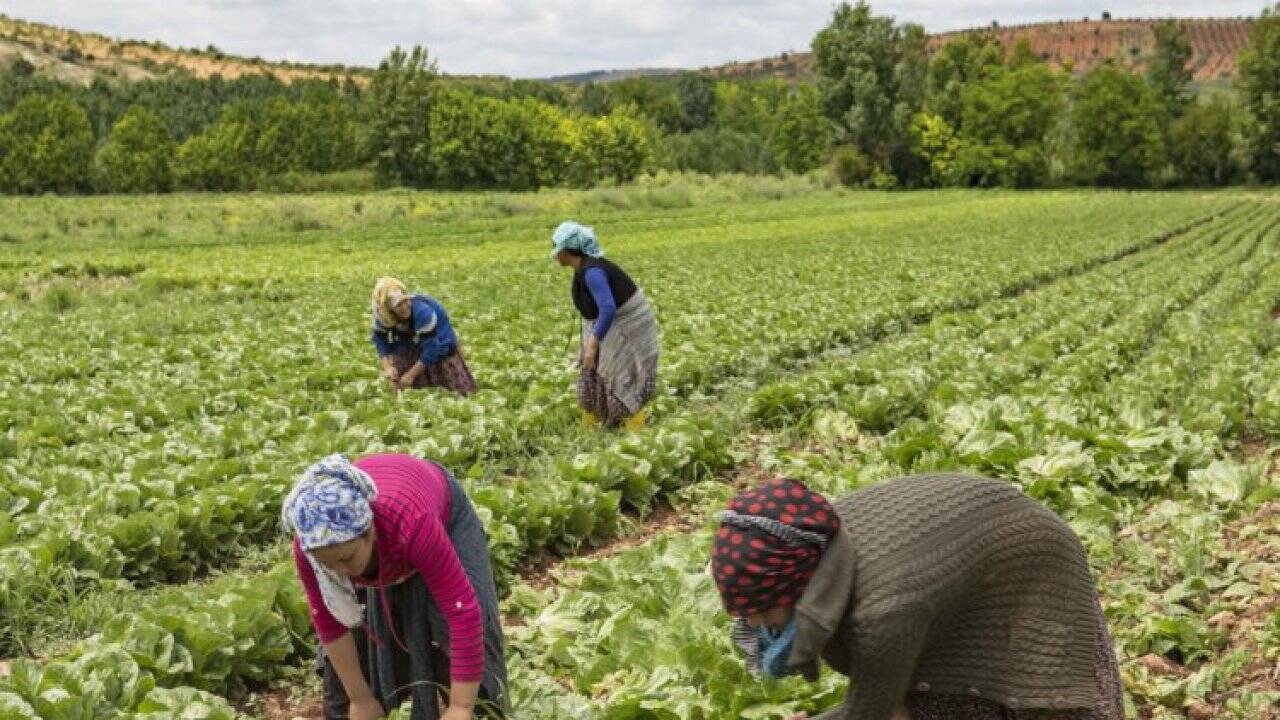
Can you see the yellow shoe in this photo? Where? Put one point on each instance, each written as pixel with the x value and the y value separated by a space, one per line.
pixel 635 423
pixel 590 420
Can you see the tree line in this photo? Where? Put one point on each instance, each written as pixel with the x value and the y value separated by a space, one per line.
pixel 881 113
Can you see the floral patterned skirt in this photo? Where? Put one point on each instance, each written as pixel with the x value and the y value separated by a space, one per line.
pixel 451 373
pixel 595 398
pixel 934 706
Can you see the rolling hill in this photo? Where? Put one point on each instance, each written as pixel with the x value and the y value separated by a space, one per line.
pixel 1215 43
pixel 79 57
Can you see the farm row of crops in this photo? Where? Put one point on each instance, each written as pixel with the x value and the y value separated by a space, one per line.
pixel 1105 351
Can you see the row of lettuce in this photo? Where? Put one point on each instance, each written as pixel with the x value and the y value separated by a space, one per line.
pixel 151 461
pixel 1124 418
pixel 240 630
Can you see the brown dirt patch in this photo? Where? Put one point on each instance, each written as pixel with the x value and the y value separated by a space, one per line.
pixel 1257 537
pixel 283 704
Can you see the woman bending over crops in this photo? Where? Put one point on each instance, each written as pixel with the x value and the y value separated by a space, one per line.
pixel 944 597
pixel 416 342
pixel 395 565
pixel 619 358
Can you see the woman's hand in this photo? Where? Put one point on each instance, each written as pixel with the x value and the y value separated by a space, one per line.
pixel 589 351
pixel 391 374
pixel 406 381
pixel 367 709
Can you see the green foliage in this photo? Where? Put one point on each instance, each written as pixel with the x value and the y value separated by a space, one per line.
pixel 484 142
pixel 1167 72
pixel 697 94
pixel 749 107
pixel 872 79
pixel 658 101
pixel 1006 120
pixel 595 99
pixel 615 147
pixel 934 142
pixel 962 61
pixel 802 137
pixel 398 110
pixel 317 134
pixel 138 156
pixel 1258 78
pixel 225 156
pixel 46 144
pixel 851 168
pixel 715 151
pixel 1116 121
pixel 1205 145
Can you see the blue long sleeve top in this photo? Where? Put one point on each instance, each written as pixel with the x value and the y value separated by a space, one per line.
pixel 598 284
pixel 428 329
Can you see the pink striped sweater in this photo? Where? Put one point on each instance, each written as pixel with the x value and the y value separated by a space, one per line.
pixel 410 519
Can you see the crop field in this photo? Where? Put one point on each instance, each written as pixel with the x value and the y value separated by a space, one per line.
pixel 169 365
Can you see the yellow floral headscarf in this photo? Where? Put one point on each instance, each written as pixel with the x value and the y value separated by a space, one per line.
pixel 387 293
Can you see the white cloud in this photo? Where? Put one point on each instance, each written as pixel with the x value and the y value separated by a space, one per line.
pixel 536 39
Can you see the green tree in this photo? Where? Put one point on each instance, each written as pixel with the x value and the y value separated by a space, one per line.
pixel 934 142
pixel 315 134
pixel 962 61
pixel 224 157
pixel 1168 73
pixel 749 107
pixel 1115 121
pixel 46 144
pixel 1258 78
pixel 872 75
pixel 655 100
pixel 1006 120
pixel 398 116
pixel 1023 55
pixel 138 155
pixel 1205 145
pixel 595 99
pixel 802 137
pixel 493 143
pixel 716 150
pixel 615 147
pixel 544 139
pixel 697 93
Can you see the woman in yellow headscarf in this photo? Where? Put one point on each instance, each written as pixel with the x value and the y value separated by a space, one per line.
pixel 415 340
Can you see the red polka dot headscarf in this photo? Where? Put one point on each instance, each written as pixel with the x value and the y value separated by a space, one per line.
pixel 769 544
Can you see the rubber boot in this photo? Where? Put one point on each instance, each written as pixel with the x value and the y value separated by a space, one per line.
pixel 635 423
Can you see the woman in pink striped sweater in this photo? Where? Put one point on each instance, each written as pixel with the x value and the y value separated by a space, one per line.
pixel 402 533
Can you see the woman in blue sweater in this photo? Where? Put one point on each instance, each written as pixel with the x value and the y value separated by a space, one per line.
pixel 415 340
pixel 619 357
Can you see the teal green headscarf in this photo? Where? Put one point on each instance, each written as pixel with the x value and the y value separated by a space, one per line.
pixel 572 236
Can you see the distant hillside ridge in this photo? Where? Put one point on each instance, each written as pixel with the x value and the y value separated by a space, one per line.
pixel 1083 44
pixel 78 57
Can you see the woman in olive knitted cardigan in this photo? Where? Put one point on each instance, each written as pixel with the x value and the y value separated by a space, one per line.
pixel 940 596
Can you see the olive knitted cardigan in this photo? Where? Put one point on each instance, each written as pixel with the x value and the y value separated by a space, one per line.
pixel 950 584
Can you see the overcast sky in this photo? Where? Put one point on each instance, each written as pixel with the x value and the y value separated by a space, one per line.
pixel 539 38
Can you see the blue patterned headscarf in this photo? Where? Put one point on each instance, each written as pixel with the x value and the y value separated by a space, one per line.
pixel 329 504
pixel 572 236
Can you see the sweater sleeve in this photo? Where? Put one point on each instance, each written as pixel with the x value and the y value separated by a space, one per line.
pixel 883 666
pixel 432 553
pixel 380 342
pixel 598 284
pixel 426 323
pixel 328 628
